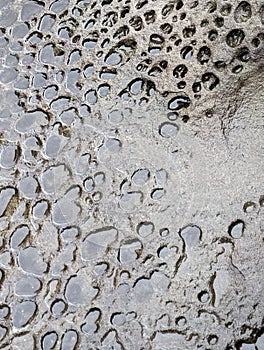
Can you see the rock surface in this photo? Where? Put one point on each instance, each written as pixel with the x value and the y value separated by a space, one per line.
pixel 131 169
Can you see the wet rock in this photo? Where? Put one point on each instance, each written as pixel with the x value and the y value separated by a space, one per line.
pixel 69 340
pixel 22 313
pixel 129 251
pixel 6 195
pixel 191 235
pixel 96 242
pixel 91 324
pixel 27 286
pixel 18 236
pixel 65 212
pixel 31 261
pixel 236 229
pixel 23 342
pixel 49 341
pixel 79 289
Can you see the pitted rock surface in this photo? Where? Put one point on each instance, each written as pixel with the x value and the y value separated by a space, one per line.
pixel 131 170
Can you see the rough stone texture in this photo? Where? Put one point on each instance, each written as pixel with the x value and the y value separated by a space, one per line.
pixel 131 167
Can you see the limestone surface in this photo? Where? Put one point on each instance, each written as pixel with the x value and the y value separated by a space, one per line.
pixel 131 174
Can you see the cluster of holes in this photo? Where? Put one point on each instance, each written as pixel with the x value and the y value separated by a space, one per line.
pixel 61 61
